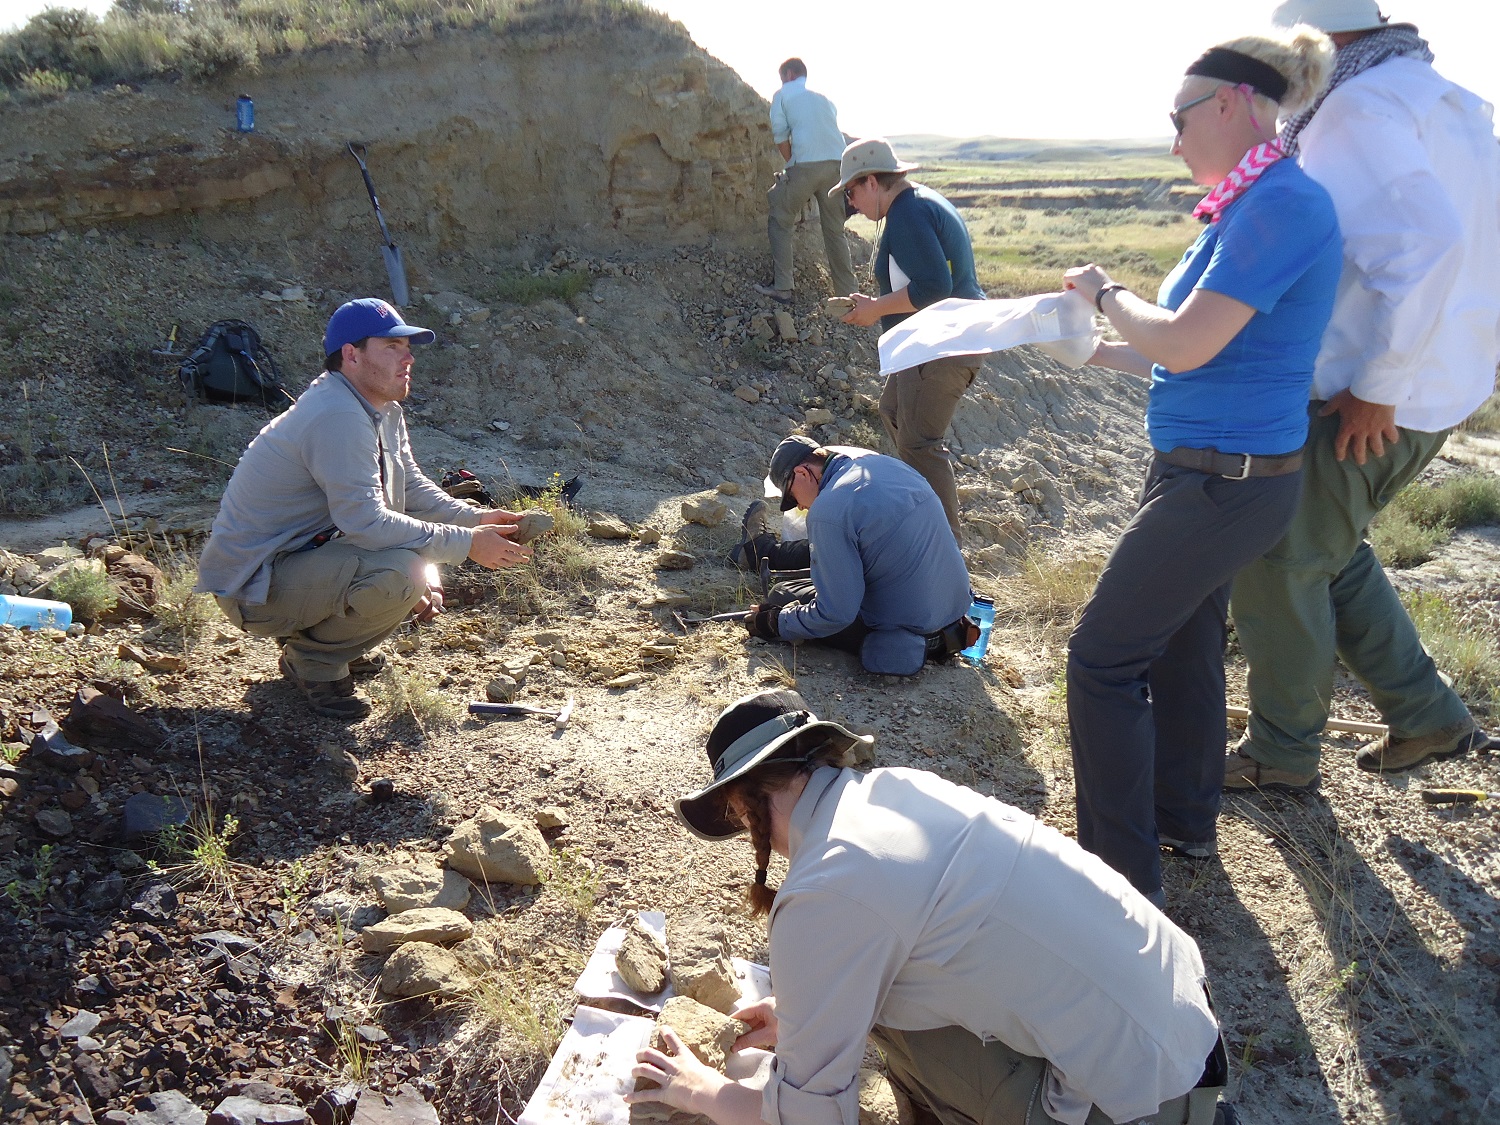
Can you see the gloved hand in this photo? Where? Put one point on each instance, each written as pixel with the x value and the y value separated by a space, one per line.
pixel 760 621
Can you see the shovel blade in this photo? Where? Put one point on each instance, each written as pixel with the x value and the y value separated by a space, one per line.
pixel 395 269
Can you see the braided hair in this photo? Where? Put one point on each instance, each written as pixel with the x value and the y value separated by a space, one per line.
pixel 748 802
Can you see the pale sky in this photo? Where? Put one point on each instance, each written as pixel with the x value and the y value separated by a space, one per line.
pixel 1069 69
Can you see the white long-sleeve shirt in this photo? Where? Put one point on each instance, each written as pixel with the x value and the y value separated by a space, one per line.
pixel 1413 167
pixel 914 903
pixel 330 462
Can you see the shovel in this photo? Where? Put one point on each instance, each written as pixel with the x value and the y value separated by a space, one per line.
pixel 394 267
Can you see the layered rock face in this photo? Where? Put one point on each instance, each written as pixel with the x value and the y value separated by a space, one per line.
pixel 615 135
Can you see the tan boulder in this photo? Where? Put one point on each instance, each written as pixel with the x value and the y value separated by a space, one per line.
pixel 428 924
pixel 411 888
pixel 700 966
pixel 498 848
pixel 533 524
pixel 420 969
pixel 603 526
pixel 642 958
pixel 705 1032
pixel 706 510
pixel 476 955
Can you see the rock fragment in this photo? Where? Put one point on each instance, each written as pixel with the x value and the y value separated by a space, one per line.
pixel 498 848
pixel 404 1107
pixel 533 524
pixel 501 689
pixel 147 814
pixel 786 327
pixel 420 969
pixel 553 816
pixel 627 680
pixel 241 1110
pixel 818 416
pixel 167 1107
pixel 641 959
pixel 705 1032
pixel 705 510
pixel 700 966
pixel 602 526
pixel 433 924
pixel 746 393
pixel 675 560
pixel 400 889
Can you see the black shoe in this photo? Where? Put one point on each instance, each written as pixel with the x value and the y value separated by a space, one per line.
pixel 333 699
pixel 755 526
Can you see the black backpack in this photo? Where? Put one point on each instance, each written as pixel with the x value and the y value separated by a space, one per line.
pixel 230 364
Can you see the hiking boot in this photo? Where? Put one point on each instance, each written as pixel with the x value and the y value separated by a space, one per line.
pixel 756 526
pixel 333 699
pixel 1386 754
pixel 370 664
pixel 1188 849
pixel 1243 772
pixel 780 296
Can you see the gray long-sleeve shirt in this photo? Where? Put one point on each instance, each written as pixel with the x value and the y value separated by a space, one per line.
pixel 882 551
pixel 330 462
pixel 914 903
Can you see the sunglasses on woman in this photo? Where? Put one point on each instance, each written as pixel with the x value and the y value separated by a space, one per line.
pixel 1175 116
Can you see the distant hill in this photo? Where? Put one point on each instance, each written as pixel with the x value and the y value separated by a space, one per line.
pixel 927 146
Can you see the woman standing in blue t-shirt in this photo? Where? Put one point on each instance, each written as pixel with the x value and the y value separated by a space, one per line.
pixel 1229 349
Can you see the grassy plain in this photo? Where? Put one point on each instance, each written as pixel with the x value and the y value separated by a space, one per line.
pixel 1033 214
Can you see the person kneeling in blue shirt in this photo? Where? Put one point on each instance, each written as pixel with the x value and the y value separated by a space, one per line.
pixel 887 579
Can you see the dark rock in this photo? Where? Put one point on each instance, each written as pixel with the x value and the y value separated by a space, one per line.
pixel 156 903
pixel 54 822
pixel 241 1110
pixel 105 895
pixel 97 1083
pixel 382 789
pixel 114 1117
pixel 50 748
pixel 146 814
pixel 81 1024
pixel 167 1107
pixel 97 715
pixel 240 973
pixel 259 1091
pixel 335 1106
pixel 404 1107
pixel 6 1068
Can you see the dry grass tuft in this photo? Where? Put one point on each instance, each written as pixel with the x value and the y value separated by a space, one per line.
pixel 398 692
pixel 1466 650
pixel 1047 591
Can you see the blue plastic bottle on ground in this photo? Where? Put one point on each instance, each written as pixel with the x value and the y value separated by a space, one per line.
pixel 244 114
pixel 34 613
pixel 982 611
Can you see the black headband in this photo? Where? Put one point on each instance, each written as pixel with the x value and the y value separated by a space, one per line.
pixel 1232 66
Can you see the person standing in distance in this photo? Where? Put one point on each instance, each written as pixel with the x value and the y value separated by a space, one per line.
pixel 805 128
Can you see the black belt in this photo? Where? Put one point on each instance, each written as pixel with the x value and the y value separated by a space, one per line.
pixel 1235 466
pixel 951 638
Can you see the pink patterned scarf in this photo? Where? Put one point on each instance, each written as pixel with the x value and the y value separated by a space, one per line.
pixel 1211 207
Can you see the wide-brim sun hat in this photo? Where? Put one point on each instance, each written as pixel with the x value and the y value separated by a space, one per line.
pixel 862 157
pixel 1330 15
pixel 767 726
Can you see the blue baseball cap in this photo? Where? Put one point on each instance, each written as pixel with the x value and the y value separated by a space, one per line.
pixel 369 316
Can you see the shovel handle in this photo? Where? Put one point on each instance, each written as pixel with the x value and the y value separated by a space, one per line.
pixel 370 187
pixel 508 709
pixel 1453 796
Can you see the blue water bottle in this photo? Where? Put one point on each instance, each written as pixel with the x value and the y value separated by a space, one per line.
pixel 982 611
pixel 34 613
pixel 244 114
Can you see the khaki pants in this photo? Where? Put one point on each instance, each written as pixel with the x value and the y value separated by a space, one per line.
pixel 917 407
pixel 962 1080
pixel 333 604
pixel 794 186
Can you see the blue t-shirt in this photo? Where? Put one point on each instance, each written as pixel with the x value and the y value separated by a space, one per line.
pixel 927 241
pixel 1277 248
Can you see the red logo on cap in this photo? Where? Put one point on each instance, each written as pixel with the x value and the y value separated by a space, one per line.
pixel 385 309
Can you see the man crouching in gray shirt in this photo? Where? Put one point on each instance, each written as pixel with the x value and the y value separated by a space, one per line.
pixel 327 527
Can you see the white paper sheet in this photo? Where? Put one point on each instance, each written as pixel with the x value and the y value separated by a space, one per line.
pixel 589 1075
pixel 1061 324
pixel 600 980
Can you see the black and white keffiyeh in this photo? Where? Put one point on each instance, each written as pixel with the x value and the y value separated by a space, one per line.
pixel 1356 58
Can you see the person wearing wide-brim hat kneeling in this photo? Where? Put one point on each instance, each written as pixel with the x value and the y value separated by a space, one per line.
pixel 1006 974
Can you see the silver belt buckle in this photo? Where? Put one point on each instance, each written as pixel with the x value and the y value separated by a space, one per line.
pixel 1244 472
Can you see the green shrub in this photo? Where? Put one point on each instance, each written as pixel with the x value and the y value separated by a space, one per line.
pixel 1468 654
pixel 529 288
pixel 90 592
pixel 1459 501
pixel 1400 541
